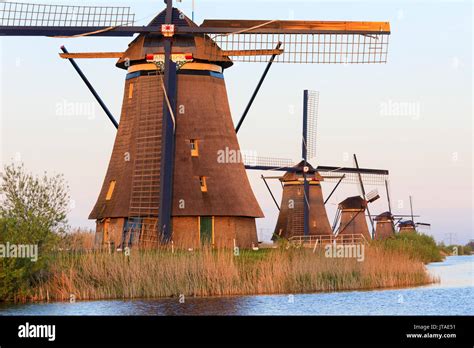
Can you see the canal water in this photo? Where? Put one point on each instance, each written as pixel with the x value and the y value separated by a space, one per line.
pixel 454 295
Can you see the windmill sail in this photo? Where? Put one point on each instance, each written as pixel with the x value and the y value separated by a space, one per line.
pixel 372 196
pixel 312 106
pixel 56 20
pixel 302 41
pixel 369 176
pixel 266 163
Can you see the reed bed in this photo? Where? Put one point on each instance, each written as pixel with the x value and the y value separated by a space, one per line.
pixel 78 240
pixel 207 272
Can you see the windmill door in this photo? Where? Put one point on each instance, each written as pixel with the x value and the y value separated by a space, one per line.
pixel 106 230
pixel 206 229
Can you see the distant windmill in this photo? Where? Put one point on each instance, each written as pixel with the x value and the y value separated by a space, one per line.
pixel 351 213
pixel 294 201
pixel 350 217
pixel 384 227
pixel 302 210
pixel 386 221
pixel 410 226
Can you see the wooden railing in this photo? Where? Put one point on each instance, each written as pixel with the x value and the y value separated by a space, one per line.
pixel 321 240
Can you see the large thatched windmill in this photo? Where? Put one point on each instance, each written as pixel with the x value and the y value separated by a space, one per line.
pixel 164 181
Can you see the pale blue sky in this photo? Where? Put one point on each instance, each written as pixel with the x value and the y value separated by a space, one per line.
pixel 429 154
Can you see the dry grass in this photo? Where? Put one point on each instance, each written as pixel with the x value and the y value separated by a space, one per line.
pixel 78 240
pixel 160 273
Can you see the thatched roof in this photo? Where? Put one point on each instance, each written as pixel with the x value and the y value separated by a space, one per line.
pixel 384 216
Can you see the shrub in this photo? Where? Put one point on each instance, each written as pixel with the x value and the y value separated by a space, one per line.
pixel 417 245
pixel 32 212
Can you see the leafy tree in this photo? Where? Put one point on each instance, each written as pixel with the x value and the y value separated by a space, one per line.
pixel 33 211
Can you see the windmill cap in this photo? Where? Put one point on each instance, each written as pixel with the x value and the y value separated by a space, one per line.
pixel 298 171
pixel 203 49
pixel 355 202
pixel 407 223
pixel 384 216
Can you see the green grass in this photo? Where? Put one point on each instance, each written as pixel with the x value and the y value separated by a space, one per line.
pixel 417 246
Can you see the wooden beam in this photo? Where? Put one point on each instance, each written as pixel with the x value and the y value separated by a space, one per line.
pixel 240 53
pixel 294 27
pixel 91 55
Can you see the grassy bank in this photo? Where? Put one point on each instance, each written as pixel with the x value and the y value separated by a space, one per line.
pixel 455 249
pixel 416 246
pixel 33 212
pixel 154 274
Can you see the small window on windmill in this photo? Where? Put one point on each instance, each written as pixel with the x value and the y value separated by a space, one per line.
pixel 110 192
pixel 130 91
pixel 194 147
pixel 202 180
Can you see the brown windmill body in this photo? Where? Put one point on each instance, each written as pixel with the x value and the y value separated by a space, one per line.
pixel 353 221
pixel 406 227
pixel 384 227
pixel 290 219
pixel 212 197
